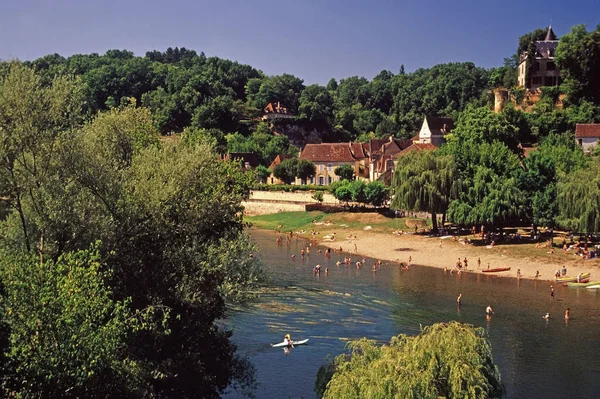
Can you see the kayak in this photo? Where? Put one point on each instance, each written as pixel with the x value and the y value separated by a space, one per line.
pixel 583 284
pixel 572 279
pixel 593 286
pixel 285 343
pixel 498 269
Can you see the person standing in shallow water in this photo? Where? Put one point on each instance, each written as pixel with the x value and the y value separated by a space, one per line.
pixel 458 299
pixel 552 292
pixel 567 314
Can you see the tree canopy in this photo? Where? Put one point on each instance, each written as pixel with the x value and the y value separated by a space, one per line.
pixel 450 360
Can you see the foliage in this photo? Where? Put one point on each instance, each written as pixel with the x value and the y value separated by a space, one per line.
pixel 168 215
pixel 345 172
pixel 265 145
pixel 286 170
pixel 579 199
pixel 445 360
pixel 287 187
pixel 262 173
pixel 305 169
pixel 578 57
pixel 425 181
pixel 375 193
pixel 318 196
pixel 68 337
pixel 518 93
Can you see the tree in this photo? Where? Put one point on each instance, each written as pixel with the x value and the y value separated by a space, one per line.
pixel 345 172
pixel 376 193
pixel 316 106
pixel 262 172
pixel 578 199
pixel 32 119
pixel 480 124
pixel 305 169
pixel 286 170
pixel 577 56
pixel 557 156
pixel 426 181
pixel 68 337
pixel 445 360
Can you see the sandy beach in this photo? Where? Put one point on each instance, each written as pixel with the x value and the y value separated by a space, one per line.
pixel 426 251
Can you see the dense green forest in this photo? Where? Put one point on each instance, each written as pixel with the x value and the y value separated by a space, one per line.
pixel 120 251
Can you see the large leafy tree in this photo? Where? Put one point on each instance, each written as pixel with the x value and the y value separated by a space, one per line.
pixel 557 156
pixel 345 172
pixel 577 56
pixel 448 360
pixel 426 181
pixel 68 338
pixel 579 199
pixel 168 216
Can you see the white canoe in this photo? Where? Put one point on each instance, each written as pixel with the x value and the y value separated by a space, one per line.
pixel 285 343
pixel 593 286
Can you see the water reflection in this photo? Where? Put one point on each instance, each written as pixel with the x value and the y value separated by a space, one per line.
pixel 349 303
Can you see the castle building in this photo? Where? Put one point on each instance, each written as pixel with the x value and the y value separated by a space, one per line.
pixel 544 71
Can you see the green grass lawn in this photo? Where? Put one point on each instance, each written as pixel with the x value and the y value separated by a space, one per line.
pixel 295 221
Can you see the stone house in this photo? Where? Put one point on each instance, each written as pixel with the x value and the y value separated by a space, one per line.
pixel 381 155
pixel 433 131
pixel 544 72
pixel 328 156
pixel 587 135
pixel 276 111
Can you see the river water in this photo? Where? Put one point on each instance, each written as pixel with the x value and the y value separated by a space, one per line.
pixel 537 358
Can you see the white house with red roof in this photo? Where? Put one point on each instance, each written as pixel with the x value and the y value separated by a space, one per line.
pixel 433 131
pixel 587 135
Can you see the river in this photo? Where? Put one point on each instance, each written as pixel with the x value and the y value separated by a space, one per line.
pixel 537 358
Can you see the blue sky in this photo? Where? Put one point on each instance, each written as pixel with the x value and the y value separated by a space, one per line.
pixel 312 39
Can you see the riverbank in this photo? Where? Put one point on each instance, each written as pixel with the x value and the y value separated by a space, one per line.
pixel 389 245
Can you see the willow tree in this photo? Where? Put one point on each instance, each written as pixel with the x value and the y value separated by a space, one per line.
pixel 425 181
pixel 579 200
pixel 450 360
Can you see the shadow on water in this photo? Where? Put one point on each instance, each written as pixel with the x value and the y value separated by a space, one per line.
pixel 537 358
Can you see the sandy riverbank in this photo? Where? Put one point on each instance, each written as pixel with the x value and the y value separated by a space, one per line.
pixel 427 251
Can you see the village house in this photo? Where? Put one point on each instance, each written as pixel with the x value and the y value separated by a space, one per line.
pixel 247 159
pixel 328 156
pixel 278 159
pixel 587 135
pixel 433 131
pixel 381 156
pixel 544 71
pixel 276 111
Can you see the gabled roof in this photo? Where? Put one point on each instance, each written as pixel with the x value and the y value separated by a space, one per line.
pixel 416 147
pixel 327 152
pixel 358 150
pixel 245 157
pixel 587 130
pixel 279 159
pixel 444 125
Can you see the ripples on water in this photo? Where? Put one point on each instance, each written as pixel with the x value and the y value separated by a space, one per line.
pixel 537 358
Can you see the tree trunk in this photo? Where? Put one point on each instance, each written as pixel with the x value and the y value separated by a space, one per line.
pixel 434 225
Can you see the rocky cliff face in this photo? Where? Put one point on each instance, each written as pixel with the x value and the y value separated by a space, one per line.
pixel 298 134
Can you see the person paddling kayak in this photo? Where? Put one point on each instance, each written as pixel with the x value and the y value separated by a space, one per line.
pixel 288 340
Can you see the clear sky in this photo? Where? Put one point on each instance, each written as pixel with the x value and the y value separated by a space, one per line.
pixel 312 39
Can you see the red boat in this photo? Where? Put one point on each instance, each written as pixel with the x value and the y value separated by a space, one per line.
pixel 498 269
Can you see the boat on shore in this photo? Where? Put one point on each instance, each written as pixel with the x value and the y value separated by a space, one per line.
pixel 497 269
pixel 583 283
pixel 572 279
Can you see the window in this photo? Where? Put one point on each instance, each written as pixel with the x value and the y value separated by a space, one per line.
pixel 537 66
pixel 329 166
pixel 550 66
pixel 321 180
pixel 580 142
pixel 550 81
pixel 535 80
pixel 329 179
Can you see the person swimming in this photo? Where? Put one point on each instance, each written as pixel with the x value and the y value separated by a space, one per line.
pixel 546 316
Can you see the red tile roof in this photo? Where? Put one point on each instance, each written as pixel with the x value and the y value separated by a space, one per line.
pixel 278 159
pixel 416 147
pixel 587 130
pixel 327 152
pixel 358 150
